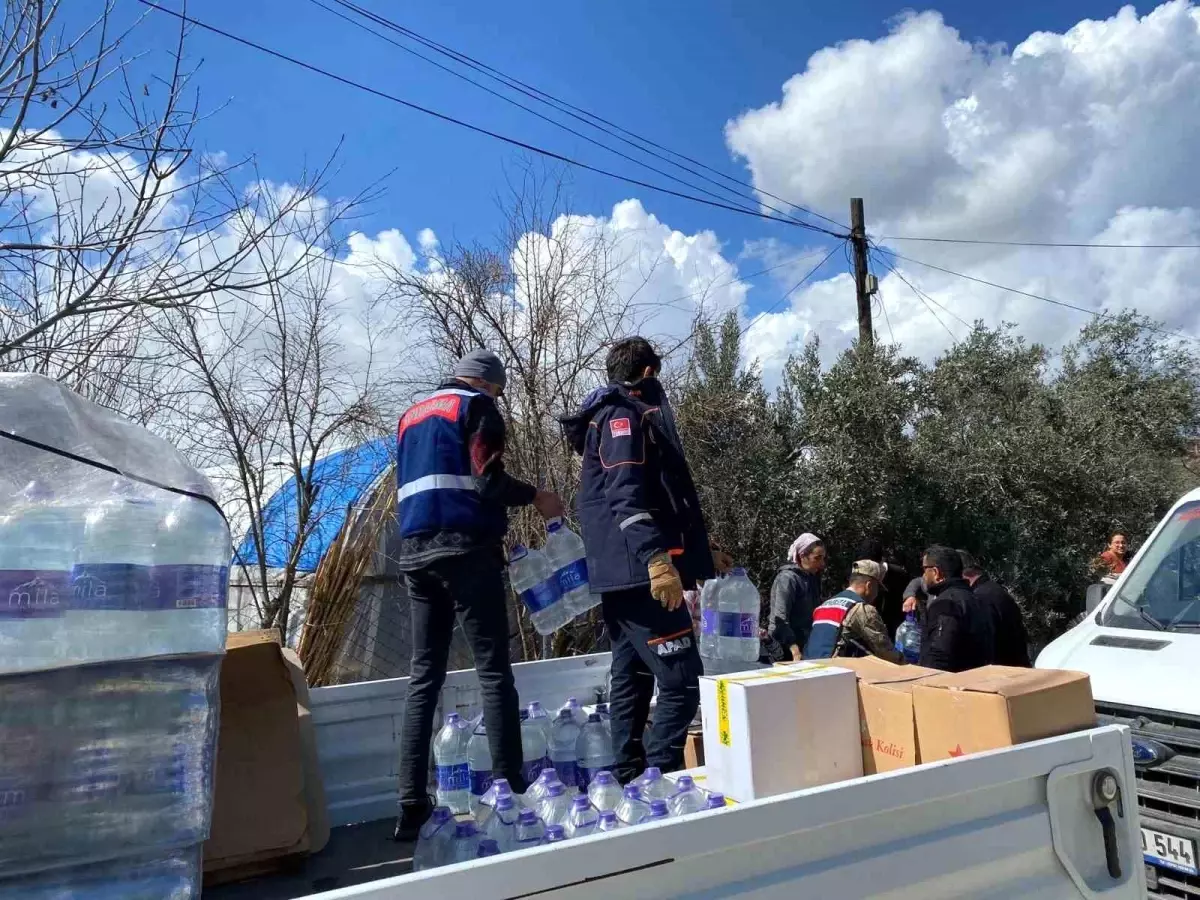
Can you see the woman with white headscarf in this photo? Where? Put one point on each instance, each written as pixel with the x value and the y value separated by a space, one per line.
pixel 796 592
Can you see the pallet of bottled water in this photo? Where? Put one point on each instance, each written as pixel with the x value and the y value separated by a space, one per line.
pixel 113 580
pixel 572 793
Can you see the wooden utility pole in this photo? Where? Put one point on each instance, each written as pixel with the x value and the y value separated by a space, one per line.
pixel 858 238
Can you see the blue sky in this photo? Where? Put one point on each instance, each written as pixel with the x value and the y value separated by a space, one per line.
pixel 1012 121
pixel 675 72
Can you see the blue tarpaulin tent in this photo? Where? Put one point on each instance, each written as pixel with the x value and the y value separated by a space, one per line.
pixel 341 481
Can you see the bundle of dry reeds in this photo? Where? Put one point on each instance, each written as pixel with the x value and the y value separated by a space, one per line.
pixel 335 587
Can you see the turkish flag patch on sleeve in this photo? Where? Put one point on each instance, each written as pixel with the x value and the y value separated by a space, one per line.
pixel 619 427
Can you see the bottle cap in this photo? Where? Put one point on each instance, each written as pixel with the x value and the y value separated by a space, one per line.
pixel 465 829
pixel 593 717
pixel 526 817
pixel 658 809
pixel 556 789
pixel 608 815
pixel 652 773
pixel 633 792
pixel 453 719
pixel 502 787
pixel 535 707
pixel 548 776
pixel 505 801
pixel 716 800
pixel 685 782
pixel 738 572
pixel 554 832
pixel 554 525
pixel 519 551
pixel 441 814
pixel 604 777
pixel 581 803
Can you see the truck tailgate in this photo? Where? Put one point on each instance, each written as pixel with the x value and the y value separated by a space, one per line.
pixel 1018 822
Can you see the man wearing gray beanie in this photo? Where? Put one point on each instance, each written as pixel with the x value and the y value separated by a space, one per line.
pixel 452 500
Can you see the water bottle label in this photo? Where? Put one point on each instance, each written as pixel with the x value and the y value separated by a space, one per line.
pixel 481 780
pixel 110 586
pixel 27 594
pixel 739 625
pixel 568 772
pixel 453 778
pixel 540 596
pixel 188 587
pixel 572 576
pixel 710 622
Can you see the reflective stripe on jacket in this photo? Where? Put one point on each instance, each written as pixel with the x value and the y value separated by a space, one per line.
pixel 828 619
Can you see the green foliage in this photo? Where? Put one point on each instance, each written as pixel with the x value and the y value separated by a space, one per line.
pixel 999 448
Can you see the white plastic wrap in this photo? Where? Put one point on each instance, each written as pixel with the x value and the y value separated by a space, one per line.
pixel 175 876
pixel 111 545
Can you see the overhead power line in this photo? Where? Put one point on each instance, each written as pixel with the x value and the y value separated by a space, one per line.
pixel 1089 245
pixel 1083 309
pixel 795 287
pixel 644 144
pixel 533 112
pixel 532 148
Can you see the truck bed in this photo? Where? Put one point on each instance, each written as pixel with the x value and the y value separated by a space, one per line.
pixel 1009 823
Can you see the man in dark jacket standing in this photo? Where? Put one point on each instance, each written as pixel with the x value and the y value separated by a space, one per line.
pixel 1008 625
pixel 452 497
pixel 646 543
pixel 956 631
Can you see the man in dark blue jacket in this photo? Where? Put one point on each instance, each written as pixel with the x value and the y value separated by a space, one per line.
pixel 646 542
pixel 452 497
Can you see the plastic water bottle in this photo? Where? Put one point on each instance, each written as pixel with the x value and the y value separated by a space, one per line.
pixel 604 792
pixel 186 610
pixel 658 810
pixel 479 766
pixel 710 618
pixel 110 583
pixel 653 786
pixel 539 716
pixel 576 710
pixel 533 581
pixel 433 840
pixel 583 819
pixel 555 834
pixel 451 768
pixel 538 790
pixel 530 830
pixel 716 801
pixel 593 749
pixel 555 806
pixel 632 808
pixel 38 536
pixel 564 737
pixel 607 821
pixel 464 845
pixel 908 638
pixel 501 826
pixel 568 558
pixel 739 606
pixel 687 798
pixel 533 748
pixel 487 847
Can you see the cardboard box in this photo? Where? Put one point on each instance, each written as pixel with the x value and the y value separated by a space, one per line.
pixel 888 728
pixel 266 769
pixel 998 706
pixel 693 750
pixel 779 730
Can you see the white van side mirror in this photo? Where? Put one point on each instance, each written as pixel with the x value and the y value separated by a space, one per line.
pixel 1095 594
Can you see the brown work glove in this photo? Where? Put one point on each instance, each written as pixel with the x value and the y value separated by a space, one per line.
pixel 665 584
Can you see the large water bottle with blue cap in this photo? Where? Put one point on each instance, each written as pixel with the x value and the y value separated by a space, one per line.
pixel 710 619
pixel 534 748
pixel 451 768
pixel 479 766
pixel 593 749
pixel 739 605
pixel 908 639
pixel 433 840
pixel 38 536
pixel 568 559
pixel 564 737
pixel 533 580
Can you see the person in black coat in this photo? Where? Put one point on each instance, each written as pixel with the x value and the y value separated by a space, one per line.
pixel 1008 625
pixel 956 632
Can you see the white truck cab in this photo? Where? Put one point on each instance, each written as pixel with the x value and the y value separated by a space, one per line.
pixel 1140 643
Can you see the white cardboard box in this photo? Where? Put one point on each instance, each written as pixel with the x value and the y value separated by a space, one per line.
pixel 775 731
